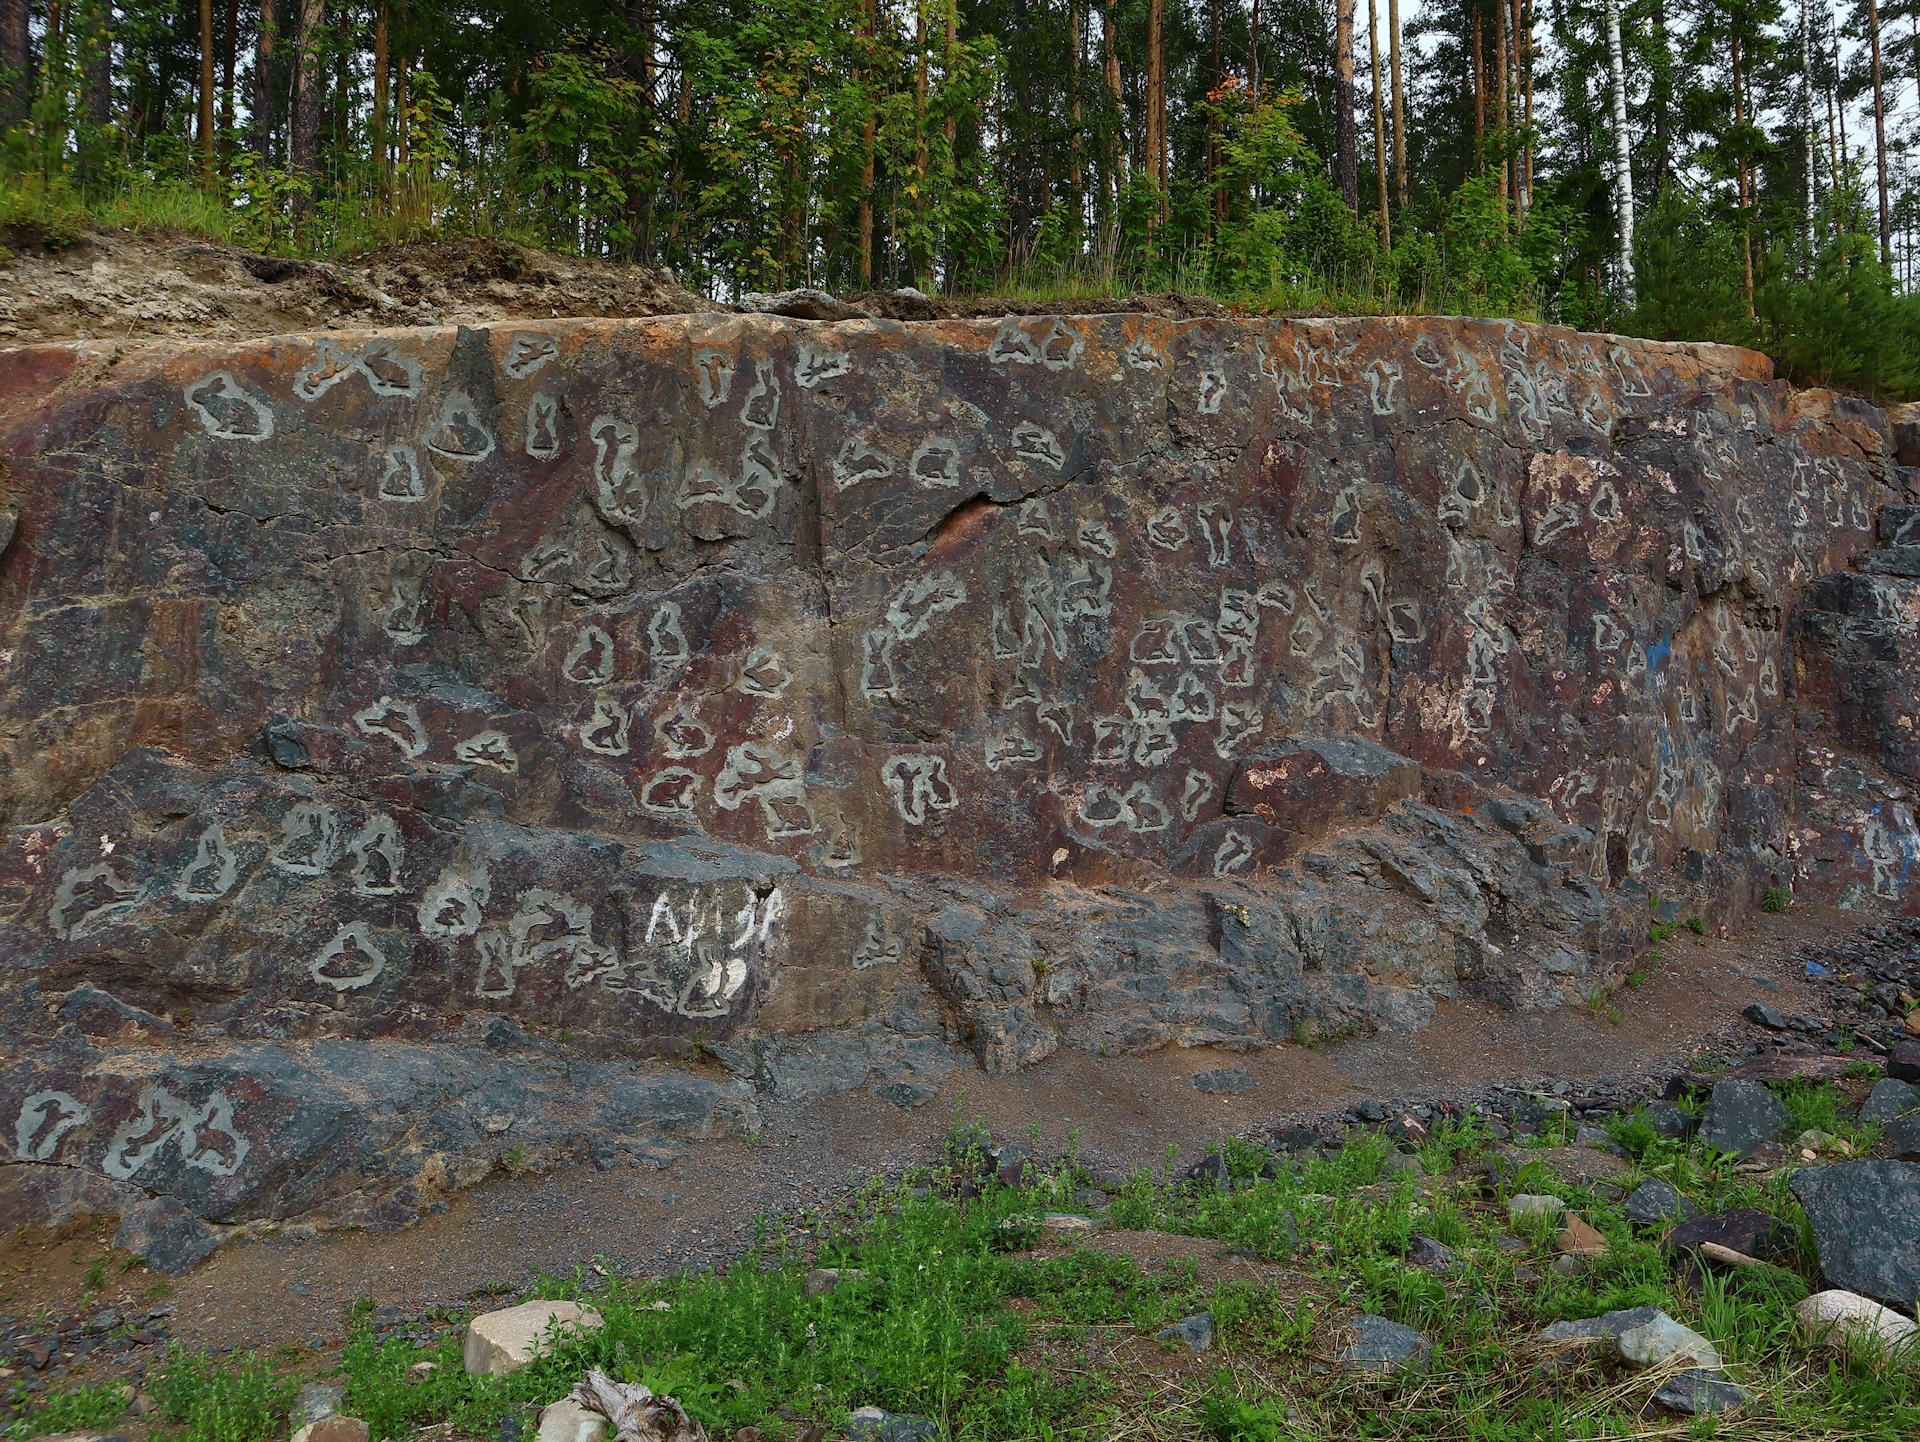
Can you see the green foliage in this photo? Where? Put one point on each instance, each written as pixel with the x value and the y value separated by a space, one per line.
pixel 212 1403
pixel 82 1409
pixel 1776 898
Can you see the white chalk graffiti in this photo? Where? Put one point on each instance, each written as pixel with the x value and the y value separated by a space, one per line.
pixel 1195 794
pixel 45 1119
pixel 878 947
pixel 228 410
pixel 350 961
pixel 621 489
pixel 398 721
pixel 917 604
pixel 1213 390
pixel 919 786
pixel 543 427
pixel 203 1136
pixel 1383 378
pixel 1143 356
pixel 1167 529
pixel 1012 747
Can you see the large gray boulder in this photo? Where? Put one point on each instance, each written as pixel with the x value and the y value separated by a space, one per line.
pixel 1866 1225
pixel 1742 1117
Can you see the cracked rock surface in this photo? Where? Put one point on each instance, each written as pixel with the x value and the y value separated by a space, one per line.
pixel 413 743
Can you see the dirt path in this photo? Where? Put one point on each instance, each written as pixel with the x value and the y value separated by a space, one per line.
pixel 286 1291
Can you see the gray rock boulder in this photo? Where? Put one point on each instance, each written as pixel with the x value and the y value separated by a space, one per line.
pixel 166 1235
pixel 1866 1225
pixel 1741 1117
pixel 1889 1101
pixel 1196 1331
pixel 803 304
pixel 1655 1201
pixel 1383 1345
pixel 1670 1121
pixel 1902 1140
pixel 876 1424
pixel 1229 1079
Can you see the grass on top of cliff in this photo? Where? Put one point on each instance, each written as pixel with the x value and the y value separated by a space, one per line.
pixel 974 1312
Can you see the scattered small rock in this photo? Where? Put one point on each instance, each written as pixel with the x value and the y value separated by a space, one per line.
pixel 1434 1256
pixel 1699 1392
pixel 1228 1079
pixel 1903 1062
pixel 1655 1201
pixel 1578 1239
pixel 334 1429
pixel 1745 1229
pixel 1196 1331
pixel 1760 1014
pixel 316 1401
pixel 1534 1207
pixel 1067 1222
pixel 822 1280
pixel 1903 1139
pixel 1384 1345
pixel 1670 1121
pixel 1661 1339
pixel 501 1343
pixel 803 304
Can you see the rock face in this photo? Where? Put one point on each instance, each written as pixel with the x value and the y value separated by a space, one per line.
pixel 405 731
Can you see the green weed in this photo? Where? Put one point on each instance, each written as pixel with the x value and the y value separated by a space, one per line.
pixel 212 1403
pixel 79 1410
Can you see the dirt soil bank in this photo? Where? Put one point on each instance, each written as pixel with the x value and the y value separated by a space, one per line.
pixel 288 1291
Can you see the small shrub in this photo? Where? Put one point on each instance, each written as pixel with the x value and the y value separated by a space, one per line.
pixel 83 1409
pixel 1697 925
pixel 213 1404
pixel 1776 898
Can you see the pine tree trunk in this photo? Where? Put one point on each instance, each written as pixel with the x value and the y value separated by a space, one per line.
pixel 868 131
pixel 305 149
pixel 1806 92
pixel 229 60
pixel 1399 102
pixel 1479 92
pixel 381 99
pixel 1117 145
pixel 1379 131
pixel 1500 108
pixel 1156 136
pixel 16 54
pixel 1076 178
pixel 1523 109
pixel 1622 150
pixel 1740 176
pixel 1345 140
pixel 263 85
pixel 917 262
pixel 99 96
pixel 205 119
pixel 1880 136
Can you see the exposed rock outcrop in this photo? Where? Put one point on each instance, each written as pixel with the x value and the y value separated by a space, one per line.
pixel 402 730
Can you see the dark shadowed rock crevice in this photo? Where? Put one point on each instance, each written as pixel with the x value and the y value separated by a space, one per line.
pixel 415 745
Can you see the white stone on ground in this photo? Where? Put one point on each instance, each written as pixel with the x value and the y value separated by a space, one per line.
pixel 501 1343
pixel 1529 1206
pixel 1836 1319
pixel 567 1421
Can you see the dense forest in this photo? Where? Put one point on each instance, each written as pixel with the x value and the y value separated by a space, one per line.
pixel 1709 169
